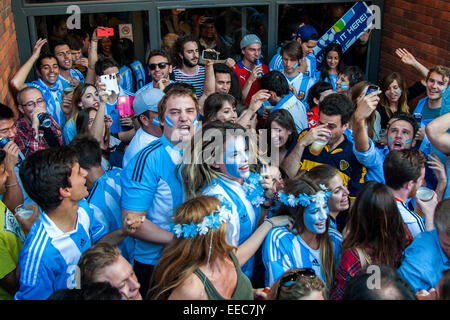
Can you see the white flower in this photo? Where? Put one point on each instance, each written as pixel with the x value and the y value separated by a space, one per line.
pixel 178 230
pixel 319 199
pixel 292 201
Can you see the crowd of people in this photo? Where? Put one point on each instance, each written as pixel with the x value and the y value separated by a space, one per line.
pixel 183 177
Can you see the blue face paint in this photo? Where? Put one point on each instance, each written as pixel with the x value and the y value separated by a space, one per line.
pixel 295 65
pixel 316 214
pixel 443 91
pixel 236 158
pixel 399 91
pixel 408 141
pixel 195 123
pixel 344 86
pixel 169 122
pixel 390 139
pixel 155 121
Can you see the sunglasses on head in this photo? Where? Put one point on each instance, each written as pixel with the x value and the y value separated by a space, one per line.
pixel 289 279
pixel 160 65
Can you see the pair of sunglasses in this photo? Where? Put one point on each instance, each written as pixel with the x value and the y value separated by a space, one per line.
pixel 289 279
pixel 160 65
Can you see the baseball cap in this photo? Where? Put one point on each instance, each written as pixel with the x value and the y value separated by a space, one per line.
pixel 307 32
pixel 249 39
pixel 147 100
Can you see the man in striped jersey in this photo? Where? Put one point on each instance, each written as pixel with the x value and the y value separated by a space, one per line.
pixel 187 69
pixel 66 226
pixel 150 185
pixel 404 172
pixel 104 188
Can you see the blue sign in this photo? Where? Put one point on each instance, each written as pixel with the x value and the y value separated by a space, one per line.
pixel 347 30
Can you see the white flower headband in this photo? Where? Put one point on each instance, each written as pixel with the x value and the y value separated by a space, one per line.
pixel 212 221
pixel 320 198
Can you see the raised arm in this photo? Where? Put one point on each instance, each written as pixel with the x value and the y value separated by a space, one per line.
pixel 255 103
pixel 18 81
pixel 437 133
pixel 407 58
pixel 365 107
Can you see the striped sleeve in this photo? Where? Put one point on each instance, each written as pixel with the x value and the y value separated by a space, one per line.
pixel 274 254
pixel 139 179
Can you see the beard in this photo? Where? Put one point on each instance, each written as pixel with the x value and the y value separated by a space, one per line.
pixel 188 63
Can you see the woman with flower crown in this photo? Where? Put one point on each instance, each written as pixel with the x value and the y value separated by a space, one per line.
pixel 200 264
pixel 218 164
pixel 311 244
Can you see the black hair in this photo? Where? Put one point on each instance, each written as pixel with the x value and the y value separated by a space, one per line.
pixel 401 166
pixel 406 117
pixel 275 81
pixel 89 151
pixel 2 155
pixel 392 286
pixel 159 52
pixel 56 43
pixel 324 68
pixel 214 103
pixel 75 42
pixel 178 48
pixel 235 89
pixel 103 64
pixel 90 291
pixel 5 112
pixel 354 74
pixel 44 55
pixel 44 172
pixel 316 90
pixel 337 104
pixel 123 54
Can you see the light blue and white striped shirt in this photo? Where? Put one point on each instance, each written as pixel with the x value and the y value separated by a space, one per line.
pixel 49 257
pixel 245 216
pixel 282 250
pixel 104 199
pixel 126 76
pixel 149 183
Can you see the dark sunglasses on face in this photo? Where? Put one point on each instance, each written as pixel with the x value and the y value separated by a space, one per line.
pixel 290 279
pixel 160 65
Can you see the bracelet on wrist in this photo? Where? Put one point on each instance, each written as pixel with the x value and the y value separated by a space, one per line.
pixel 11 185
pixel 270 221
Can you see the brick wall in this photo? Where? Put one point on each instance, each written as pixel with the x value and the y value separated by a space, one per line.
pixel 9 56
pixel 420 26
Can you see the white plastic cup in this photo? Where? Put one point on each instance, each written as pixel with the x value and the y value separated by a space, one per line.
pixel 24 212
pixel 424 194
pixel 317 146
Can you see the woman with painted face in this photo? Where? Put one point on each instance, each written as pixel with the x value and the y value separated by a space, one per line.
pixel 332 65
pixel 393 99
pixel 311 243
pixel 219 163
pixel 374 234
pixel 329 177
pixel 281 135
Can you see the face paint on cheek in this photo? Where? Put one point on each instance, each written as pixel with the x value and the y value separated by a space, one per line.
pixel 295 66
pixel 169 122
pixel 390 139
pixel 344 86
pixel 236 158
pixel 195 123
pixel 443 91
pixel 408 141
pixel 399 91
pixel 155 121
pixel 315 219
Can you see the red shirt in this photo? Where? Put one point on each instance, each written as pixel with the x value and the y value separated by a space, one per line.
pixel 313 117
pixel 243 74
pixel 26 140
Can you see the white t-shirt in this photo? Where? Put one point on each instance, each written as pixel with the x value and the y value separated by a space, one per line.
pixel 140 140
